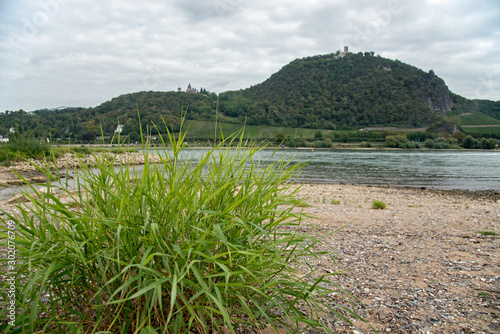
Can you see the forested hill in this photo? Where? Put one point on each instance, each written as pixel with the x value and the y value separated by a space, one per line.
pixel 154 107
pixel 356 89
pixel 86 123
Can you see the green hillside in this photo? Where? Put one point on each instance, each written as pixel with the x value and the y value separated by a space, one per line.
pixel 328 92
pixel 206 130
pixel 477 123
pixel 463 105
pixel 355 90
pixel 483 131
pixel 86 123
pixel 154 107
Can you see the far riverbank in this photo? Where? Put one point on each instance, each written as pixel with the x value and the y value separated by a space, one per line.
pixel 442 170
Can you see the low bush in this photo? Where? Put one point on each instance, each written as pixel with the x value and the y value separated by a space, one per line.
pixel 183 247
pixel 409 145
pixel 320 144
pixel 379 205
pixel 442 143
pixel 6 156
pixel 487 144
pixel 395 140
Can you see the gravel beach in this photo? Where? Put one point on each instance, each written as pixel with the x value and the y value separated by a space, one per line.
pixel 424 264
pixel 66 163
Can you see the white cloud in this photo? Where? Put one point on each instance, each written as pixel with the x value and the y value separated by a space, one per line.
pixel 84 52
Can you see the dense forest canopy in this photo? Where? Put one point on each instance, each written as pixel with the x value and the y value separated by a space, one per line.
pixel 355 90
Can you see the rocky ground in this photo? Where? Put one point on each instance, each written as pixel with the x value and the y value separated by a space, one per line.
pixel 66 163
pixel 427 263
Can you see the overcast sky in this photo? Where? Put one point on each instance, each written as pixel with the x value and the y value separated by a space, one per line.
pixel 85 52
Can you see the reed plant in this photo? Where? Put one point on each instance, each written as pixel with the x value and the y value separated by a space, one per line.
pixel 181 246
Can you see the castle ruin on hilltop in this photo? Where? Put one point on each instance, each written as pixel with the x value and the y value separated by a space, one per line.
pixel 189 89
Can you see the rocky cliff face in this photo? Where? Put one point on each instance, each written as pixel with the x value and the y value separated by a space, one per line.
pixel 439 98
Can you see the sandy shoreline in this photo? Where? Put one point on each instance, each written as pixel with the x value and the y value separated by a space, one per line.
pixel 419 266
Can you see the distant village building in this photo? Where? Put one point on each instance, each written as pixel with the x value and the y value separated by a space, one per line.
pixel 346 51
pixel 4 140
pixel 342 54
pixel 12 130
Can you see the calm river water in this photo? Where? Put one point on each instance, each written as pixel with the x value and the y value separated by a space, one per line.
pixel 469 170
pixel 466 170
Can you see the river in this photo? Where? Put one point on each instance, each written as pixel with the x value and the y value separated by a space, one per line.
pixel 438 169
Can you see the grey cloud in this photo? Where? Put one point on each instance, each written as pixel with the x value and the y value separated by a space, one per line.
pixel 200 10
pixel 91 51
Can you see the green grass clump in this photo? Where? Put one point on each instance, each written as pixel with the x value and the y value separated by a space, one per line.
pixel 378 205
pixel 493 233
pixel 80 150
pixel 182 247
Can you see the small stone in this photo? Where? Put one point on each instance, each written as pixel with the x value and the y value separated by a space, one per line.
pixel 494 326
pixel 384 317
